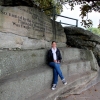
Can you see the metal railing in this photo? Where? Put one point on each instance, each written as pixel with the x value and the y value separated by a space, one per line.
pixel 54 17
pixel 68 18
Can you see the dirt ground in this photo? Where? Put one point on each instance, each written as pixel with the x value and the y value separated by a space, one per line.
pixel 91 94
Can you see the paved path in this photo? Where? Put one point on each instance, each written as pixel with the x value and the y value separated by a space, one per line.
pixel 91 94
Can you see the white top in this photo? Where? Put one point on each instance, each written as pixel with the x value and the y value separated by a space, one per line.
pixel 54 53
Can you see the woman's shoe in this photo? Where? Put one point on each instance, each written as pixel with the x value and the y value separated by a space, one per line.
pixel 54 86
pixel 64 82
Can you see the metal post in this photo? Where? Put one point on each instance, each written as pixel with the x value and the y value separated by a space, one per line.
pixel 99 24
pixel 54 24
pixel 60 21
pixel 4 3
pixel 13 2
pixel 76 23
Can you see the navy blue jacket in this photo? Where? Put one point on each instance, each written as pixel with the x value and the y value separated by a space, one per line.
pixel 50 56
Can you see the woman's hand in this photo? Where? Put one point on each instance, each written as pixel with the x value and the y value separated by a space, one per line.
pixel 55 61
pixel 58 61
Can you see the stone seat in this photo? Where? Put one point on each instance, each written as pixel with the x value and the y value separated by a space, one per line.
pixel 62 91
pixel 15 61
pixel 25 85
pixel 24 75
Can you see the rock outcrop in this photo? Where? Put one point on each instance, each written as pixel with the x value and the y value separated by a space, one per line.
pixel 25 35
pixel 80 38
pixel 27 28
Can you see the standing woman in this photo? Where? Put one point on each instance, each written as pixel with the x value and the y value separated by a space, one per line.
pixel 54 60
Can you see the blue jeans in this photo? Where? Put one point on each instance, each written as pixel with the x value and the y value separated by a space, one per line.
pixel 56 71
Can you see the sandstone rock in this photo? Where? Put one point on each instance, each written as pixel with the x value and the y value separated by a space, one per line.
pixel 80 38
pixel 27 28
pixel 60 35
pixel 24 21
pixel 12 41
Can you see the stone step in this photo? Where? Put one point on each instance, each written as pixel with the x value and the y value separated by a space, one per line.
pixel 26 83
pixel 15 61
pixel 81 88
pixel 76 67
pixel 73 82
pixel 88 85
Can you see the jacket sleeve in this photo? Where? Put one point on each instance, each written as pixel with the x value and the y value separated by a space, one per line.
pixel 48 56
pixel 59 56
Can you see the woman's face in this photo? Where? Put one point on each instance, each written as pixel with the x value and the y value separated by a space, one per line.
pixel 54 45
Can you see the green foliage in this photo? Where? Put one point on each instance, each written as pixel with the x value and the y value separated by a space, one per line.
pixel 87 6
pixel 99 26
pixel 94 30
pixel 45 4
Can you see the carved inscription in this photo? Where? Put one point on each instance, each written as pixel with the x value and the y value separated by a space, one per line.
pixel 33 22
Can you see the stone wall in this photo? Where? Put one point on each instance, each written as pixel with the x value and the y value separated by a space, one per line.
pixel 80 38
pixel 25 35
pixel 27 28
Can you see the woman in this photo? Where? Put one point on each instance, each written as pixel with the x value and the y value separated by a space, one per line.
pixel 54 60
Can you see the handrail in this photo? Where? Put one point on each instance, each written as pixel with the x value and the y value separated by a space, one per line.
pixel 68 18
pixel 54 16
pixel 62 16
pixel 67 24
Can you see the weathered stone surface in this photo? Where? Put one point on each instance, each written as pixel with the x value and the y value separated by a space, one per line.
pixel 80 38
pixel 96 52
pixel 27 28
pixel 21 72
pixel 12 41
pixel 24 21
pixel 94 64
pixel 60 35
pixel 15 61
pixel 26 85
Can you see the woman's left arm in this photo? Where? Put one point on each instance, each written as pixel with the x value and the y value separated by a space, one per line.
pixel 59 56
